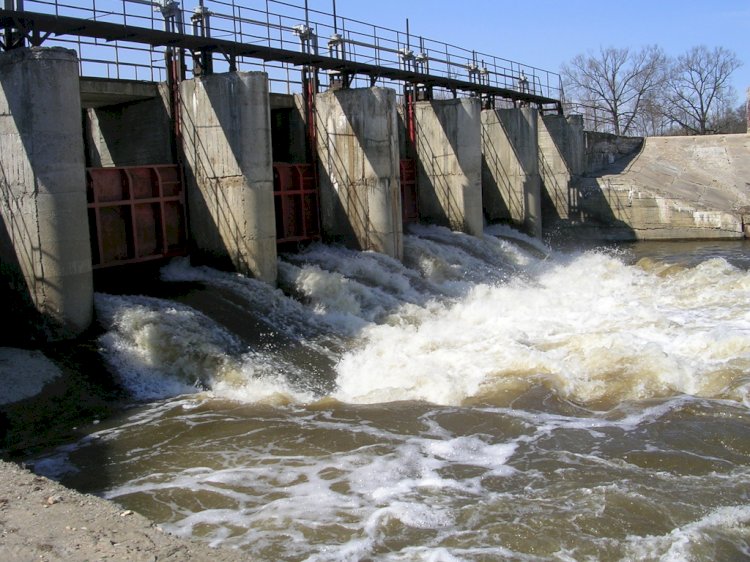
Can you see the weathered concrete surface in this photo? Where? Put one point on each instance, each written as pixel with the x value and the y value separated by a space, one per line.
pixel 602 150
pixel 43 184
pixel 137 133
pixel 357 145
pixel 677 187
pixel 449 163
pixel 288 128
pixel 561 164
pixel 510 168
pixel 98 92
pixel 227 148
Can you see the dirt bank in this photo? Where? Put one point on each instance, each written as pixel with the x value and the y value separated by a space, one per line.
pixel 42 520
pixel 45 397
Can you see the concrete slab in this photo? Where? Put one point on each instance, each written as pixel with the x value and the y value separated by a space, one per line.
pixel 101 92
pixel 711 172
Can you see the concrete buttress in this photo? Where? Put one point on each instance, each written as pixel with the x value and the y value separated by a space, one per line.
pixel 226 134
pixel 43 184
pixel 357 147
pixel 449 162
pixel 510 169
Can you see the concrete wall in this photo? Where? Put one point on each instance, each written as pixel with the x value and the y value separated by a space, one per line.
pixel 616 212
pixel 227 148
pixel 130 134
pixel 510 168
pixel 357 146
pixel 602 150
pixel 674 188
pixel 288 128
pixel 43 184
pixel 561 163
pixel 449 163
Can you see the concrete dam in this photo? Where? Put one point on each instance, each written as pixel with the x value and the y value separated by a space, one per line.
pixel 108 172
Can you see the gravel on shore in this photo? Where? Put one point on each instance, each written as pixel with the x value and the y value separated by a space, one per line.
pixel 42 520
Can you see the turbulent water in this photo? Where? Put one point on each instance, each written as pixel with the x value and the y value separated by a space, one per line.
pixel 488 399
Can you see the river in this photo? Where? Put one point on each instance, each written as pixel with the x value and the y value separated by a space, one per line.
pixel 486 399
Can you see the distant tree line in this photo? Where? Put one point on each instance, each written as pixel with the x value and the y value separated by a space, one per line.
pixel 643 92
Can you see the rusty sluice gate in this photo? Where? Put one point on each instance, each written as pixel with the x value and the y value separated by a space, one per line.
pixel 409 207
pixel 136 214
pixel 296 201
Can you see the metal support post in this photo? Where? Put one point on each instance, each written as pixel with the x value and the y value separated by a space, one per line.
pixel 174 59
pixel 13 37
pixel 201 18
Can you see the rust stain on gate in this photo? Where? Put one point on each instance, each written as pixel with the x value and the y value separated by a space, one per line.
pixel 136 214
pixel 295 193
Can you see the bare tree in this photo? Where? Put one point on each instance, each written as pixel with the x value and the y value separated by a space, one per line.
pixel 699 93
pixel 651 121
pixel 616 82
pixel 734 120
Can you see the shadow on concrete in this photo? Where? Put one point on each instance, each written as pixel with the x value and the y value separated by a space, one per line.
pixel 128 134
pixel 19 311
pixel 438 203
pixel 558 186
pixel 18 225
pixel 607 154
pixel 347 179
pixel 576 206
pixel 343 197
pixel 222 239
pixel 501 202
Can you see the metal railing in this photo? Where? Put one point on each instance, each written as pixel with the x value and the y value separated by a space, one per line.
pixel 284 26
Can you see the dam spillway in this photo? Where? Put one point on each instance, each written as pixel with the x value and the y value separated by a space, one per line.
pixel 484 137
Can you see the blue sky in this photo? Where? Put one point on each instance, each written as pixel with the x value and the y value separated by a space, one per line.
pixel 547 33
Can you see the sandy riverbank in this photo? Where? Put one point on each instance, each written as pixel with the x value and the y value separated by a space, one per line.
pixel 40 403
pixel 42 520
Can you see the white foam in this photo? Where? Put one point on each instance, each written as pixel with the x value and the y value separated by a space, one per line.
pixel 465 317
pixel 591 327
pixel 731 523
pixel 163 349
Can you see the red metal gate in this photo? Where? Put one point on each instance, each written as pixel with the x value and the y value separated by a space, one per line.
pixel 295 193
pixel 409 208
pixel 136 214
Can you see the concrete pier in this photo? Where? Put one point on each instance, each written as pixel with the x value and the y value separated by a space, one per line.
pixel 510 168
pixel 43 185
pixel 357 147
pixel 449 163
pixel 226 135
pixel 561 159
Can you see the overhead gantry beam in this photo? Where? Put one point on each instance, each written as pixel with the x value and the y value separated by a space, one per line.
pixel 37 27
